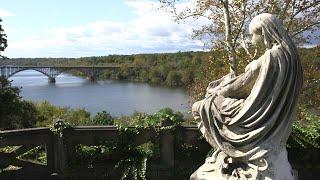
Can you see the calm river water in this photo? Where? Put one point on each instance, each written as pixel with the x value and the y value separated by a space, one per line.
pixel 116 97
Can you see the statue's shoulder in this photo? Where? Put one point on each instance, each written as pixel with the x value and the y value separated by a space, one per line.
pixel 253 65
pixel 275 48
pixel 269 53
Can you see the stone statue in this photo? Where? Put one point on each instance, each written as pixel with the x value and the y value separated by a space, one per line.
pixel 248 118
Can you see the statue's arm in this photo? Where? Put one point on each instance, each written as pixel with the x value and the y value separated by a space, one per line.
pixel 215 83
pixel 215 86
pixel 241 87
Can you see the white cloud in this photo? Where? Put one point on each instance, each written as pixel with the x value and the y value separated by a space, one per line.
pixel 142 7
pixel 5 13
pixel 152 31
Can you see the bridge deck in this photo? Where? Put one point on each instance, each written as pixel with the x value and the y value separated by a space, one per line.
pixel 53 71
pixel 108 66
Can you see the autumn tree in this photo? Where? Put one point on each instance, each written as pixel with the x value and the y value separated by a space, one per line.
pixel 3 40
pixel 228 20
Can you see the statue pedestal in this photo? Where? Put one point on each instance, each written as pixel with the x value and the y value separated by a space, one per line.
pixel 222 167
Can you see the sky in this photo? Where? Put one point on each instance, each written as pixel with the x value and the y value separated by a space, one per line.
pixel 65 28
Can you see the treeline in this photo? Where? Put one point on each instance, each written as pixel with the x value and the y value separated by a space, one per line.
pixel 170 69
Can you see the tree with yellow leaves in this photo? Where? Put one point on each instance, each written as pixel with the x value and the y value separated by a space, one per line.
pixel 228 27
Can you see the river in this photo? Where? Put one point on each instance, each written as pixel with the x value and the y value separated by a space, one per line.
pixel 116 97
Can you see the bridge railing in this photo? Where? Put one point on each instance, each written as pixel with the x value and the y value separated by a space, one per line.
pixel 24 140
pixel 60 150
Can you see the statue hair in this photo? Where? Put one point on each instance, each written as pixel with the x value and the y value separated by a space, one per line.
pixel 272 30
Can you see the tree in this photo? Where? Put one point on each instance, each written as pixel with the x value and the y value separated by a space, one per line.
pixel 48 114
pixel 101 118
pixel 124 71
pixel 14 112
pixel 3 40
pixel 226 32
pixel 228 21
pixel 186 77
pixel 173 78
pixel 154 76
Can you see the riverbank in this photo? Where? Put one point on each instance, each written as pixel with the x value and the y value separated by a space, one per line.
pixel 117 97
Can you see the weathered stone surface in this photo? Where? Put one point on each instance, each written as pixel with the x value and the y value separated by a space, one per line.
pixel 248 118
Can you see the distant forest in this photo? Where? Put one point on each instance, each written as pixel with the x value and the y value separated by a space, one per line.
pixel 169 69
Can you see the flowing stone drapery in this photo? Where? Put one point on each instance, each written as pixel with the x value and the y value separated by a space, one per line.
pixel 248 118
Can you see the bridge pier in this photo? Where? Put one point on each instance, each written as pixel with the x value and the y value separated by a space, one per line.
pixel 51 80
pixel 91 78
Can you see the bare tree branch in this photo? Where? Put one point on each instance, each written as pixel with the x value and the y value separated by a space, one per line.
pixel 305 28
pixel 285 9
pixel 306 7
pixel 240 29
pixel 311 85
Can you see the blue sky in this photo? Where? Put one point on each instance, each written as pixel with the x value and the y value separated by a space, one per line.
pixel 61 28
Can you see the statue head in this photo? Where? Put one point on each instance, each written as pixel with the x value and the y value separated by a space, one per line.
pixel 268 29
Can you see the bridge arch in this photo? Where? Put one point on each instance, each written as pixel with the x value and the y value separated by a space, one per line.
pixel 53 71
pixel 26 69
pixel 49 72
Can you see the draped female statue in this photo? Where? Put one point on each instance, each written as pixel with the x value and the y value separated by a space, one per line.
pixel 248 118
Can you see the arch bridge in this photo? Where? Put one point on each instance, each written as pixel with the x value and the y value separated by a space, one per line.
pixel 53 71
